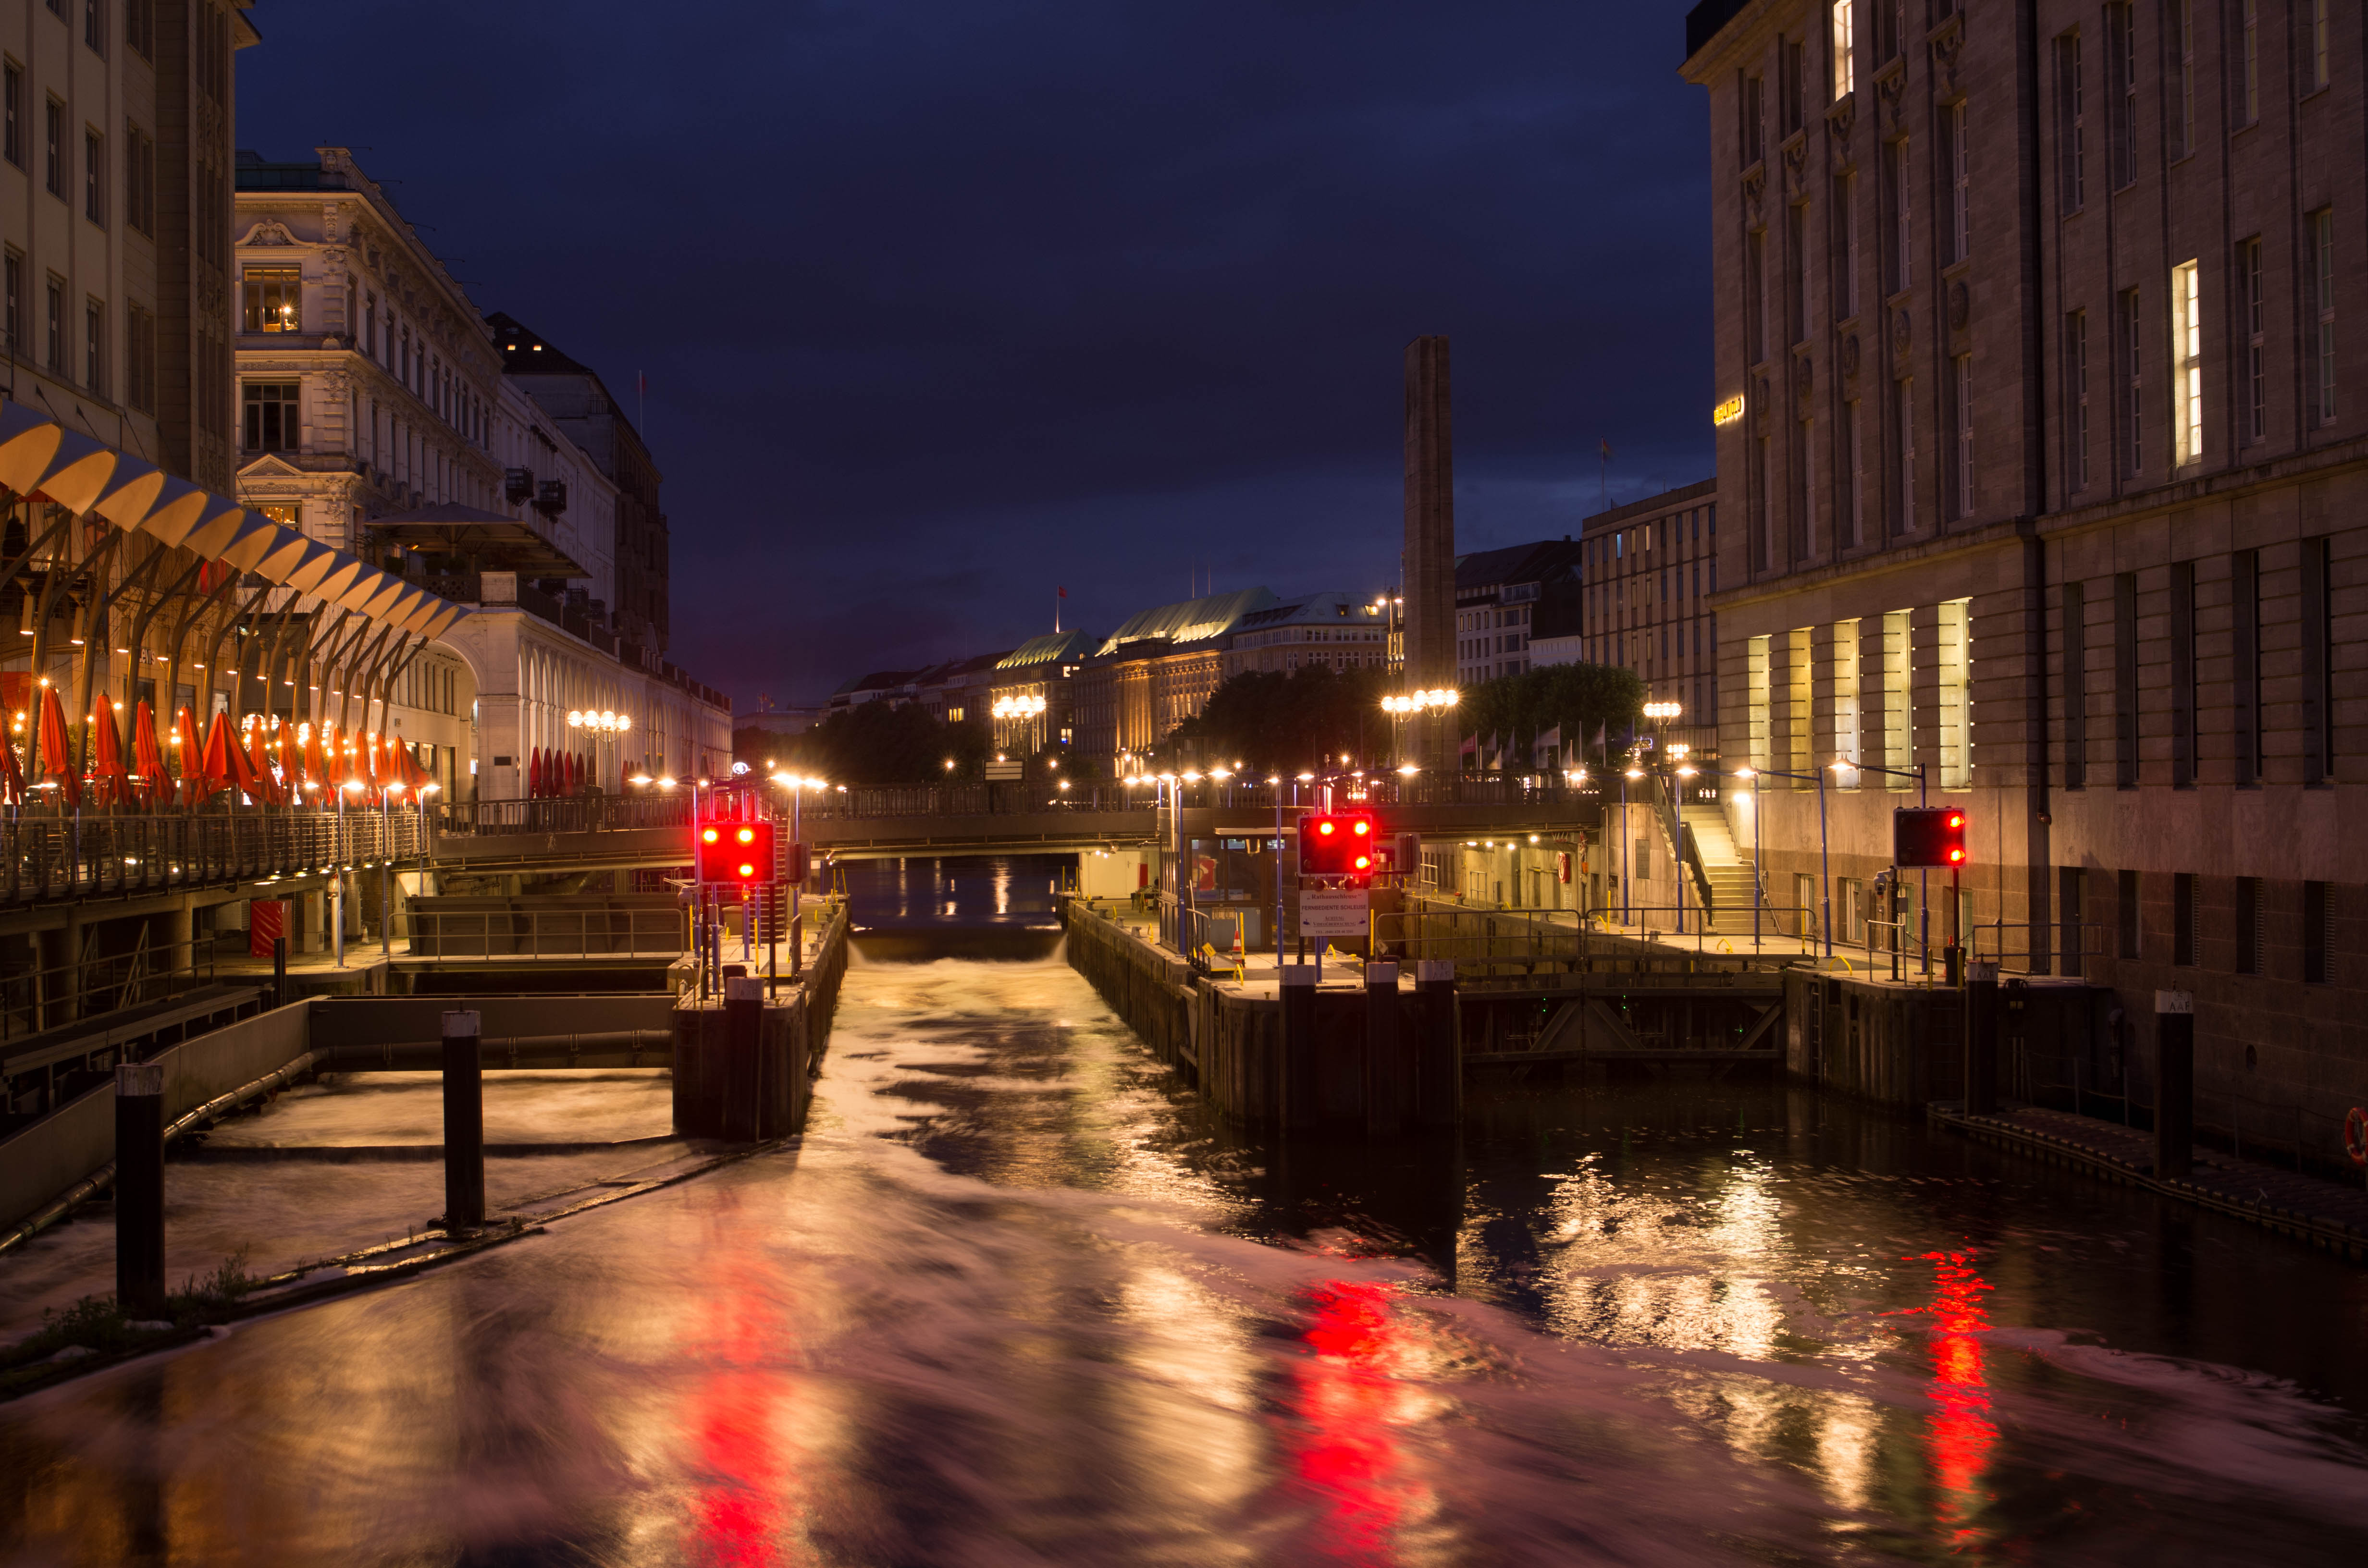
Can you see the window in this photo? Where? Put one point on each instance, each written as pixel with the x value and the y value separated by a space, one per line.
pixel 2135 433
pixel 2249 925
pixel 1905 405
pixel 1845 48
pixel 1961 234
pixel 2125 680
pixel 1755 295
pixel 271 416
pixel 1846 677
pixel 1845 246
pixel 1805 498
pixel 53 173
pixel 12 300
pixel 2182 918
pixel 2257 352
pixel 2071 143
pixel 1850 510
pixel 2076 398
pixel 2070 884
pixel 93 25
pixel 2183 18
pixel 1796 263
pixel 140 27
pixel 1755 120
pixel 2317 613
pixel 2245 663
pixel 2322 270
pixel 1789 82
pixel 2186 364
pixel 2126 914
pixel 138 179
pixel 94 177
pixel 370 326
pixel 1754 664
pixel 1961 399
pixel 1899 701
pixel 274 300
pixel 2317 934
pixel 1955 630
pixel 2317 44
pixel 12 114
pixel 56 358
pixel 2076 687
pixel 1897 271
pixel 1766 477
pixel 2183 674
pixel 2121 31
pixel 94 348
pixel 140 359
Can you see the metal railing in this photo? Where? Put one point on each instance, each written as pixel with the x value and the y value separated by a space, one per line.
pixel 1503 941
pixel 548 933
pixel 571 813
pixel 45 859
pixel 37 999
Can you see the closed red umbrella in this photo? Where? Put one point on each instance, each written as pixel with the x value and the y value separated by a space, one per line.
pixel 12 778
pixel 111 781
pixel 259 770
pixel 214 764
pixel 147 757
pixel 534 776
pixel 188 747
pixel 56 764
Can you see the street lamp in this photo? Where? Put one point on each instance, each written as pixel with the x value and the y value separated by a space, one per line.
pixel 1923 888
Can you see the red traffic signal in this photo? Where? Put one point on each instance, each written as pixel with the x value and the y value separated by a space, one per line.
pixel 737 852
pixel 1337 844
pixel 1928 836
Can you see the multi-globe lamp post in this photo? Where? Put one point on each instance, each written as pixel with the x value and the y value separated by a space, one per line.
pixel 605 726
pixel 1413 705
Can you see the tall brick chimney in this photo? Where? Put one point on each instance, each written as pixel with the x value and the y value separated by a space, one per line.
pixel 1429 563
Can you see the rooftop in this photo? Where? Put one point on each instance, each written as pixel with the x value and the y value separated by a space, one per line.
pixel 1052 648
pixel 1191 620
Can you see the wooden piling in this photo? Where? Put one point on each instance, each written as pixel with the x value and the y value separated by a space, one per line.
pixel 140 1188
pixel 464 1121
pixel 2174 1079
pixel 1981 1039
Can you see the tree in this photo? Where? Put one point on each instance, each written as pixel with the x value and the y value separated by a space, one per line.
pixel 873 743
pixel 1581 699
pixel 1271 722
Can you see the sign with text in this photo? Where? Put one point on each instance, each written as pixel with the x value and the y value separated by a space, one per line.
pixel 1334 913
pixel 998 771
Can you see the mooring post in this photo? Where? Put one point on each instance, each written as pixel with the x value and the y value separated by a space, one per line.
pixel 2174 1081
pixel 743 1020
pixel 1439 1071
pixel 1981 1039
pixel 464 1122
pixel 1387 1082
pixel 140 1187
pixel 1301 1111
pixel 279 972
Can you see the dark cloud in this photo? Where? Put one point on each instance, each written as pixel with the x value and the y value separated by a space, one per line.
pixel 943 304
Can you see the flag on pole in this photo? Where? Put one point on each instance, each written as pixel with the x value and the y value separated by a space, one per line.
pixel 1060 595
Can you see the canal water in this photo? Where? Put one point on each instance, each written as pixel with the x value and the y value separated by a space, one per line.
pixel 1015 1300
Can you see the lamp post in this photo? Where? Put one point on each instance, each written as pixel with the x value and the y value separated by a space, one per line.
pixel 1424 703
pixel 1825 862
pixel 1659 713
pixel 1923 891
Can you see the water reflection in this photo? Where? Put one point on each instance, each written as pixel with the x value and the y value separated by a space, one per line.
pixel 1017 1299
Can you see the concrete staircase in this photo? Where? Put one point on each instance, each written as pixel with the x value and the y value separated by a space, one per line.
pixel 1728 870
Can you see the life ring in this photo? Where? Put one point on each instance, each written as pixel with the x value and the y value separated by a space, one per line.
pixel 2355 1135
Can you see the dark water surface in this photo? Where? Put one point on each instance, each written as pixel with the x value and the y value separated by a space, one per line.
pixel 1017 1301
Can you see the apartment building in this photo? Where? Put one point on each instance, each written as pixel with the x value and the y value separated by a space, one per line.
pixel 1646 571
pixel 2042 448
pixel 1504 599
pixel 116 124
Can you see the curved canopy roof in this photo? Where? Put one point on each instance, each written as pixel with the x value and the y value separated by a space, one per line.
pixel 42 459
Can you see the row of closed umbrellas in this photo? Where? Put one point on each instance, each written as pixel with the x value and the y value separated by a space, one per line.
pixel 41 459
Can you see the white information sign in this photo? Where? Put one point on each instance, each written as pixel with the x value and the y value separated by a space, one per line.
pixel 1331 915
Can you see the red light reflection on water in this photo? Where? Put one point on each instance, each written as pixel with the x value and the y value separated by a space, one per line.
pixel 744 1484
pixel 1347 1401
pixel 1960 1435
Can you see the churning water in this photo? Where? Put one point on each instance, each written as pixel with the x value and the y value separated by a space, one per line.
pixel 1016 1300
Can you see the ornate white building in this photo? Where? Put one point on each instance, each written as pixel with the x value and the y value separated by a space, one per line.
pixel 375 415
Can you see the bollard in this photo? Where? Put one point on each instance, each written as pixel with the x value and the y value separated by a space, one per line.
pixel 745 1121
pixel 1437 1064
pixel 279 972
pixel 1388 1085
pixel 1981 1039
pixel 1300 1111
pixel 464 1122
pixel 2174 1080
pixel 140 1188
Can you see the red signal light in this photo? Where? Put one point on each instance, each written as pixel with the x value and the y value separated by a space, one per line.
pixel 1363 827
pixel 708 835
pixel 1336 844
pixel 1326 827
pixel 1364 862
pixel 1927 836
pixel 748 836
pixel 738 852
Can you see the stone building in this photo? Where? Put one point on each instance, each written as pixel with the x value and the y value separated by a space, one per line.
pixel 1499 598
pixel 2044 456
pixel 1031 704
pixel 1649 569
pixel 1343 631
pixel 1155 671
pixel 116 127
pixel 381 412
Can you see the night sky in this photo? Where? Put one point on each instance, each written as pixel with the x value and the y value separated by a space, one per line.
pixel 943 304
